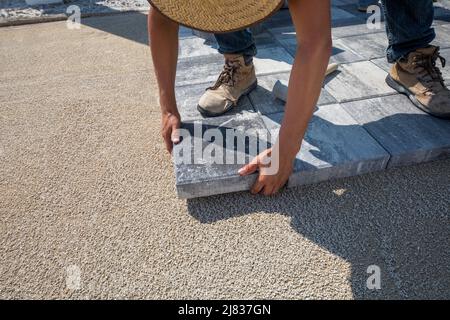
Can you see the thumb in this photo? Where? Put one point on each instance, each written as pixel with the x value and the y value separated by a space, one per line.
pixel 175 136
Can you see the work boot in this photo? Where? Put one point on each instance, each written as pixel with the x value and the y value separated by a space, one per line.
pixel 236 80
pixel 418 77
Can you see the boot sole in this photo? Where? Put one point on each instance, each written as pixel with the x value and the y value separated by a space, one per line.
pixel 401 89
pixel 209 114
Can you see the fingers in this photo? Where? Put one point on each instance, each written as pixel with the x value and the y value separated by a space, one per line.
pixel 264 185
pixel 168 141
pixel 258 162
pixel 267 185
pixel 249 168
pixel 270 190
pixel 170 131
pixel 171 136
pixel 258 186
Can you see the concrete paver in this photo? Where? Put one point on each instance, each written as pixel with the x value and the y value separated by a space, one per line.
pixel 334 146
pixel 358 80
pixel 265 102
pixel 407 133
pixel 212 151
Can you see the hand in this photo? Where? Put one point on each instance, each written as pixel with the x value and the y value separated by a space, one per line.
pixel 170 124
pixel 268 183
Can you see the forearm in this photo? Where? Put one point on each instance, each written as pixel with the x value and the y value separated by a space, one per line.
pixel 305 85
pixel 312 22
pixel 163 37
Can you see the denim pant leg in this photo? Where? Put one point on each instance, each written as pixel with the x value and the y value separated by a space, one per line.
pixel 408 26
pixel 366 3
pixel 238 42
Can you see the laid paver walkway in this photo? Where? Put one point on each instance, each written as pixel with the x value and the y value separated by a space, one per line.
pixel 360 125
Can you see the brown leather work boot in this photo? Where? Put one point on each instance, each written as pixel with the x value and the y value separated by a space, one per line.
pixel 420 79
pixel 236 80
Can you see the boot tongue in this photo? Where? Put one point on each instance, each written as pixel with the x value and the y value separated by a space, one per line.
pixel 231 58
pixel 421 54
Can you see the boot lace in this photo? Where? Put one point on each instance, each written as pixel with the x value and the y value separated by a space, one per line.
pixel 228 75
pixel 428 72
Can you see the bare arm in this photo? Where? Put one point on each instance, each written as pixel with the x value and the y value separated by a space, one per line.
pixel 313 29
pixel 163 37
pixel 312 25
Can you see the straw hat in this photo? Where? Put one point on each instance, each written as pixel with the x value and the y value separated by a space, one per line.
pixel 217 15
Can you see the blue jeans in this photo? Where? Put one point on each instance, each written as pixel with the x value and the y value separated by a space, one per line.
pixel 366 3
pixel 240 42
pixel 408 27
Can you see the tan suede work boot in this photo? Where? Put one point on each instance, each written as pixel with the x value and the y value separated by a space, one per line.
pixel 236 80
pixel 420 79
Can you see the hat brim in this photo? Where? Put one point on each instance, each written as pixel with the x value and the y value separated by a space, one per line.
pixel 217 16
